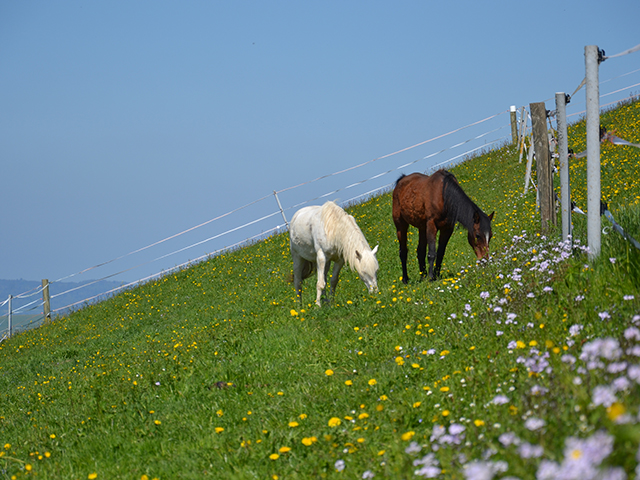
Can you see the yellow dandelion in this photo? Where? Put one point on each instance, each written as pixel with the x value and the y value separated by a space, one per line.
pixel 274 456
pixel 91 476
pixel 615 410
pixel 407 435
pixel 308 441
pixel 444 389
pixel 219 429
pixel 293 313
pixel 284 449
pixel 446 413
pixel 372 381
pixel 328 372
pixel 293 424
pixel 417 404
pixel 478 423
pixel 334 421
pixel 348 382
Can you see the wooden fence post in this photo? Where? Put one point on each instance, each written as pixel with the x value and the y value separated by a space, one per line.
pixel 563 154
pixel 544 168
pixel 46 299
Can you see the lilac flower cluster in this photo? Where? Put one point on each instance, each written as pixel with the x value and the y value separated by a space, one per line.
pixel 582 461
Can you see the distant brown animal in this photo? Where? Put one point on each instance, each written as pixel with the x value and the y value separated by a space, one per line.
pixel 433 203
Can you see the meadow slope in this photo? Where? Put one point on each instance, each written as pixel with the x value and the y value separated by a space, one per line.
pixel 523 366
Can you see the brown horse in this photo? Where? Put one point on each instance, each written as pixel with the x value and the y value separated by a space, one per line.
pixel 431 204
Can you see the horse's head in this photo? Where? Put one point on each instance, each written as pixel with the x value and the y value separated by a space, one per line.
pixel 480 234
pixel 367 267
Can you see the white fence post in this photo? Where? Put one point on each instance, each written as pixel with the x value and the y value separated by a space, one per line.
pixel 522 132
pixel 275 194
pixel 591 54
pixel 514 125
pixel 10 316
pixel 563 153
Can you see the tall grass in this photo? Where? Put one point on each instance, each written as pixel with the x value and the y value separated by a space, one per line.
pixel 523 365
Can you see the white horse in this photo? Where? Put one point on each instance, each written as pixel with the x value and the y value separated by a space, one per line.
pixel 319 235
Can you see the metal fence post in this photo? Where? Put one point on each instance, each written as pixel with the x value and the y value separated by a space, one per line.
pixel 591 54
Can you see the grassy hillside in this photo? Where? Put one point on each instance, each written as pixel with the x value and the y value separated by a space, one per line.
pixel 521 365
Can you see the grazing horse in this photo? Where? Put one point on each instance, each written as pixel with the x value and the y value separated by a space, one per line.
pixel 431 204
pixel 319 235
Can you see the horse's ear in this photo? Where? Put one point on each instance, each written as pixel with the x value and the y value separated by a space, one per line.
pixel 491 216
pixel 375 249
pixel 358 256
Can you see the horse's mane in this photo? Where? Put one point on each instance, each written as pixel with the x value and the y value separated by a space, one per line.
pixel 344 234
pixel 458 205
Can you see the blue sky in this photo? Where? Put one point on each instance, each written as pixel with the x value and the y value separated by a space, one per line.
pixel 124 123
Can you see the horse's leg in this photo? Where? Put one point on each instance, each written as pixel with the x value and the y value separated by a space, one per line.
pixel 322 266
pixel 401 231
pixel 445 235
pixel 298 276
pixel 422 252
pixel 337 266
pixel 430 238
pixel 327 267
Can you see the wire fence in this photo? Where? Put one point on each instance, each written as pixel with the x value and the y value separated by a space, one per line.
pixel 268 214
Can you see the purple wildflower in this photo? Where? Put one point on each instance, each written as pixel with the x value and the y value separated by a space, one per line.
pixel 509 438
pixel 534 423
pixel 603 395
pixel 478 470
pixel 430 468
pixel 526 450
pixel 574 330
pixel 500 400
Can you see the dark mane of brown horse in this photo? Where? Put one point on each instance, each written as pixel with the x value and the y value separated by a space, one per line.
pixel 459 207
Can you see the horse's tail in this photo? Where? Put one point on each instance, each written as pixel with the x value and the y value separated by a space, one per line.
pixel 307 270
pixel 398 181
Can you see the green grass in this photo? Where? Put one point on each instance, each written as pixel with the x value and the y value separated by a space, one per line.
pixel 217 371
